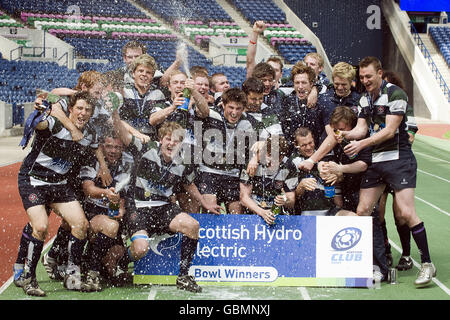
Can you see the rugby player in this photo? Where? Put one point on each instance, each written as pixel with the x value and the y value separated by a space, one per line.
pixel 43 181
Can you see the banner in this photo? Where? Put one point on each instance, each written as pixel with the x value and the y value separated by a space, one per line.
pixel 244 250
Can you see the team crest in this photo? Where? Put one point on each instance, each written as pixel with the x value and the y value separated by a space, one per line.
pixel 32 198
pixel 380 109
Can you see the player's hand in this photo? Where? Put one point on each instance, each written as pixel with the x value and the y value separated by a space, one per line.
pixel 267 215
pixel 309 184
pixel 305 165
pixel 259 26
pixel 354 147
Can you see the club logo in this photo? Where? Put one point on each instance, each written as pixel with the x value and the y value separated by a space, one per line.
pixel 159 243
pixel 32 198
pixel 346 239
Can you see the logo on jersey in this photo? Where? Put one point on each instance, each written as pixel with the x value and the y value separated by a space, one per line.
pixel 380 109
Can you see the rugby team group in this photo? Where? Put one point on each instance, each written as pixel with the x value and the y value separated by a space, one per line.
pixel 129 153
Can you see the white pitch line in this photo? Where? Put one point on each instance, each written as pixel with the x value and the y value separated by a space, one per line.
pixel 152 293
pixel 433 206
pixel 304 293
pixel 427 155
pixel 10 280
pixel 417 265
pixel 433 175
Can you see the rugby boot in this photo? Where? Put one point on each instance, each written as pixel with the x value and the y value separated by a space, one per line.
pixel 188 283
pixel 73 282
pixel 51 266
pixel 405 263
pixel 31 288
pixel 93 280
pixel 426 273
pixel 19 276
pixel 389 260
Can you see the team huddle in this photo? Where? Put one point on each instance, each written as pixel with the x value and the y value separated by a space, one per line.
pixel 128 154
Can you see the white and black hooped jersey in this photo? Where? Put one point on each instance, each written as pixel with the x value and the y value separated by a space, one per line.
pixel 136 108
pixel 266 183
pixel 391 101
pixel 119 172
pixel 155 179
pixel 226 146
pixel 59 153
pixel 265 122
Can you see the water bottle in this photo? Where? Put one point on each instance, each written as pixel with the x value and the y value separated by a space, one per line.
pixel 329 190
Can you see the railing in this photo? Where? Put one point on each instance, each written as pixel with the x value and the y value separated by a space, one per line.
pixel 66 57
pixel 442 84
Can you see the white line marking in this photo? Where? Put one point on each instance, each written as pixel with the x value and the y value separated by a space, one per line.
pixel 9 163
pixel 152 293
pixel 435 280
pixel 427 155
pixel 433 175
pixel 304 293
pixel 10 280
pixel 433 206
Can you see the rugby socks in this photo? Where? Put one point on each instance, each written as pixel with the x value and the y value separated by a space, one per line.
pixel 420 237
pixel 59 246
pixel 405 238
pixel 188 247
pixel 34 251
pixel 99 246
pixel 75 248
pixel 23 245
pixel 385 237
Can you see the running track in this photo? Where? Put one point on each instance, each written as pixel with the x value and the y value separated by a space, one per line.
pixel 12 220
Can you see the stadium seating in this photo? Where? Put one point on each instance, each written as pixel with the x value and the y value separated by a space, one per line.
pixel 19 79
pixel 255 10
pixel 102 27
pixel 85 7
pixel 290 43
pixel 64 25
pixel 7 21
pixel 441 36
pixel 189 10
pixel 198 31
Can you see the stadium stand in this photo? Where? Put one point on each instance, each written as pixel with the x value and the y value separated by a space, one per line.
pixel 255 10
pixel 112 8
pixel 19 79
pixel 190 10
pixel 441 36
pixel 7 21
pixel 100 29
pixel 290 43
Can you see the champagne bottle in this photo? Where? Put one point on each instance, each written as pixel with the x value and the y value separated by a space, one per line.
pixel 113 209
pixel 276 210
pixel 116 100
pixel 187 99
pixel 344 143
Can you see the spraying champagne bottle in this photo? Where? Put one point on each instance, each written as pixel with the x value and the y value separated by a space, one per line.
pixel 276 210
pixel 344 143
pixel 187 99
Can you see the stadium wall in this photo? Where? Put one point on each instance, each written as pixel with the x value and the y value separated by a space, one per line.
pixel 348 30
